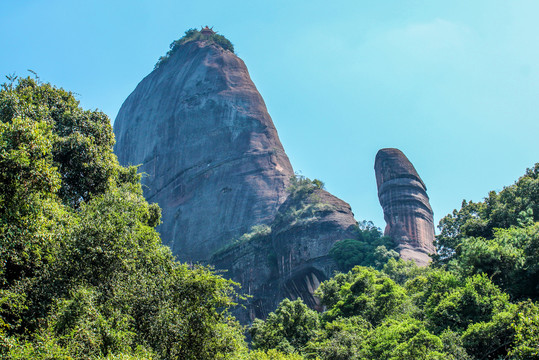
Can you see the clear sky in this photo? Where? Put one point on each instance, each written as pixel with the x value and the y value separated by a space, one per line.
pixel 453 84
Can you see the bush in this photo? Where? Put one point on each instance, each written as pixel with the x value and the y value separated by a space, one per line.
pixel 195 35
pixel 304 205
pixel 370 248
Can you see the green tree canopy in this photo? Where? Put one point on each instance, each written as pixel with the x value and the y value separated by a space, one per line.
pixel 370 248
pixel 515 205
pixel 287 329
pixel 83 273
pixel 498 237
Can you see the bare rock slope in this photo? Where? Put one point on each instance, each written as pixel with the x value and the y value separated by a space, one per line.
pixel 405 202
pixel 214 163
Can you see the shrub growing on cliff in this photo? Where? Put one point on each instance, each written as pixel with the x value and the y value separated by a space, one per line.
pixel 300 185
pixel 303 203
pixel 257 232
pixel 195 35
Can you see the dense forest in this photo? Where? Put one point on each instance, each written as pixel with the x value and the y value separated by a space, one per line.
pixel 83 273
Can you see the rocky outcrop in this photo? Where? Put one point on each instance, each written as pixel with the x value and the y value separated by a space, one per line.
pixel 305 228
pixel 201 132
pixel 292 259
pixel 405 202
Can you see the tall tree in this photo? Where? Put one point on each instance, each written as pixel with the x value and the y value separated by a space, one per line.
pixel 83 274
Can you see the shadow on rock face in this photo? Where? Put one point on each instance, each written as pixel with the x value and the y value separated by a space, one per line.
pixel 303 284
pixel 293 259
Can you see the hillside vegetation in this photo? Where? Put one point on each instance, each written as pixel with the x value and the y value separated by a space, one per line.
pixel 476 301
pixel 83 274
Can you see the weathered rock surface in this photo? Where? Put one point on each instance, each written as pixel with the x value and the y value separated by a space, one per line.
pixel 216 167
pixel 304 230
pixel 293 259
pixel 405 202
pixel 201 131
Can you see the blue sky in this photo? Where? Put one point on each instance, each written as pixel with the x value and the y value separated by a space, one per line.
pixel 453 84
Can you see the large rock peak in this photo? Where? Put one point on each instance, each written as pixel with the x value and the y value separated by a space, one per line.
pixel 214 163
pixel 213 159
pixel 405 202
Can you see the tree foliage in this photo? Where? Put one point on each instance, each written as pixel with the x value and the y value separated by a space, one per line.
pixel 433 314
pixel 287 329
pixel 362 292
pixel 83 274
pixel 516 205
pixel 498 237
pixel 370 248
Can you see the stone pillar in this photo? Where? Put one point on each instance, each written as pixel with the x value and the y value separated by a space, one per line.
pixel 405 202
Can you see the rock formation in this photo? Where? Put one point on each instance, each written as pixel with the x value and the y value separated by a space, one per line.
pixel 304 230
pixel 202 134
pixel 405 202
pixel 214 163
pixel 292 259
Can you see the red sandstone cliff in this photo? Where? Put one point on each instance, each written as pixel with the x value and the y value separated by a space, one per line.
pixel 201 131
pixel 405 202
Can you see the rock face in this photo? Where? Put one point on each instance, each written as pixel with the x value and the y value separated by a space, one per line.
pixel 292 259
pixel 214 163
pixel 405 202
pixel 201 131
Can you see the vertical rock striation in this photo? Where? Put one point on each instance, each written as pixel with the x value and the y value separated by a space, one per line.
pixel 213 159
pixel 405 202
